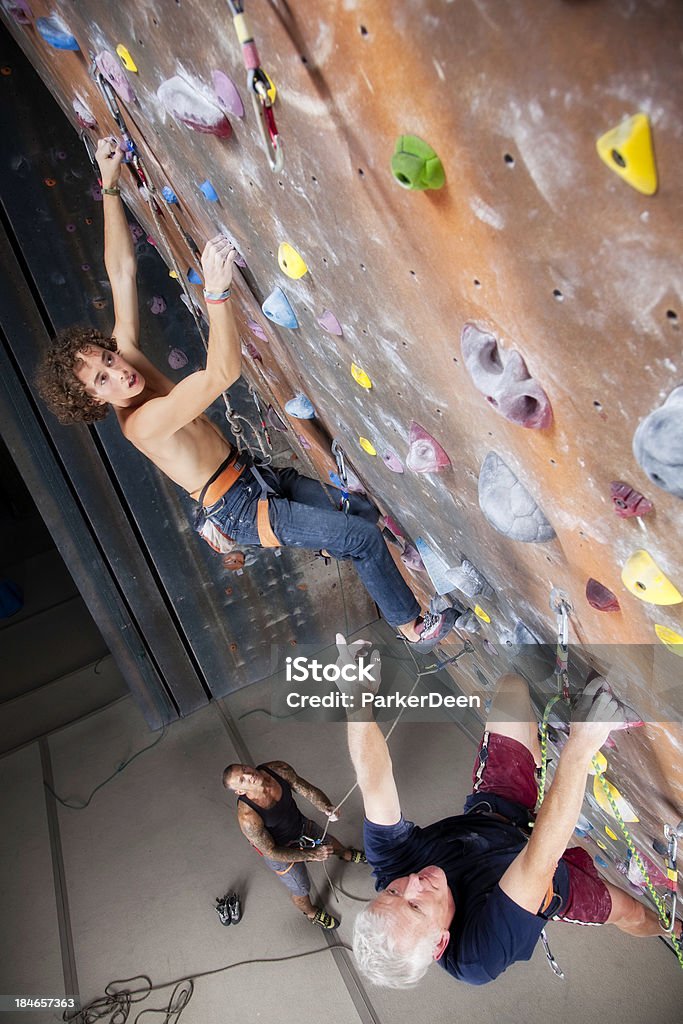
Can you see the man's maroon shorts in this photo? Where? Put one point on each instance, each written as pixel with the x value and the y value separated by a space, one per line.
pixel 510 772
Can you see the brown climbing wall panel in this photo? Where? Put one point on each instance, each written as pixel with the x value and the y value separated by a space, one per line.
pixel 533 241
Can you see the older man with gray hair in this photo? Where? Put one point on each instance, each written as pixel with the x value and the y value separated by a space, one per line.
pixel 475 891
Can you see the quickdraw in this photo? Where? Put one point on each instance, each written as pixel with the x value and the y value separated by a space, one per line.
pixel 560 604
pixel 338 452
pixel 260 87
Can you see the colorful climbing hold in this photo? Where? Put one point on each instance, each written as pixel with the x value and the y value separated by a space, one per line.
pixel 207 189
pixel 252 350
pixel 126 59
pixel 367 446
pixel 436 567
pixel 670 638
pixel 329 323
pixel 278 309
pixel 50 182
pixel 300 407
pixel 19 10
pixel 392 461
pixel 415 164
pixel 193 276
pixel 360 376
pixel 627 150
pixel 481 614
pixel 169 195
pixel 290 261
pixel 658 444
pixel 508 506
pixel 304 442
pixel 643 577
pixel 227 95
pixel 603 846
pixel 157 305
pixel 353 484
pixel 624 808
pixel 84 117
pixel 56 33
pixel 111 70
pixel 177 359
pixel 256 329
pixel 425 454
pixel 600 597
pixel 173 274
pixel 504 380
pixel 627 502
pixel 191 108
pixel 600 861
pixel 610 834
pixel 410 557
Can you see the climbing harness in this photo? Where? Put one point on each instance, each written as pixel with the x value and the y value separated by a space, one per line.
pixel 338 452
pixel 260 87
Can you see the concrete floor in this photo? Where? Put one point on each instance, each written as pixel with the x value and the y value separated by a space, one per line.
pixel 135 876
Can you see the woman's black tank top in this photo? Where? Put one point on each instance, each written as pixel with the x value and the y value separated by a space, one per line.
pixel 284 820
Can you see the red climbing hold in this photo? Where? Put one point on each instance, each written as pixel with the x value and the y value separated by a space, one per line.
pixel 425 454
pixel 627 502
pixel 504 380
pixel 600 597
pixel 184 102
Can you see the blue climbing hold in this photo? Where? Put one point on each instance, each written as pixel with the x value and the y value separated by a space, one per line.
pixel 437 568
pixel 209 191
pixel 169 195
pixel 300 406
pixel 600 861
pixel 277 308
pixel 193 276
pixel 54 31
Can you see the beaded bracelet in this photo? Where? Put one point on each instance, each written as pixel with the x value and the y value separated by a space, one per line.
pixel 214 298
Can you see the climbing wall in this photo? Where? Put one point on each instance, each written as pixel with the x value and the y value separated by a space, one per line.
pixel 466 264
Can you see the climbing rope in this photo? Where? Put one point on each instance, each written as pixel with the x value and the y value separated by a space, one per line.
pixel 260 88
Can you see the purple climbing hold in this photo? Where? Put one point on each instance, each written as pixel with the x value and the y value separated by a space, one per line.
pixel 304 442
pixel 96 192
pixel 425 455
pixel 187 104
pixel 71 228
pixel 110 69
pixel 627 502
pixel 157 305
pixel 411 558
pixel 329 323
pixel 253 351
pixel 227 95
pixel 300 407
pixel 19 10
pixel 84 116
pixel 273 420
pixel 177 359
pixel 56 33
pixel 392 461
pixel 600 598
pixel 504 380
pixel 256 329
pixel 508 506
pixel 207 189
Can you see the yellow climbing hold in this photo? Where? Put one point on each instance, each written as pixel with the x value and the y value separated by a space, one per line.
pixel 126 59
pixel 480 613
pixel 603 846
pixel 360 376
pixel 601 764
pixel 610 833
pixel 173 274
pixel 367 446
pixel 625 810
pixel 671 639
pixel 291 263
pixel 643 577
pixel 627 150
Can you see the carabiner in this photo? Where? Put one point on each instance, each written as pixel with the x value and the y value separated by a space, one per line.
pixel 257 84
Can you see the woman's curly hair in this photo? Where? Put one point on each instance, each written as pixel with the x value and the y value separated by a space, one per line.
pixel 56 379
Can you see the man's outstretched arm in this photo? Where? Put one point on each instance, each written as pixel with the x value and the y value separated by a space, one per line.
pixel 368 748
pixel 304 788
pixel 119 254
pixel 528 878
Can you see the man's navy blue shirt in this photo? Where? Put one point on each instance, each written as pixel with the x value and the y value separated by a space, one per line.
pixel 489 931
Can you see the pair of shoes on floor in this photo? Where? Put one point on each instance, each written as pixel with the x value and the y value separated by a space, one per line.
pixel 324 920
pixel 357 856
pixel 229 908
pixel 435 628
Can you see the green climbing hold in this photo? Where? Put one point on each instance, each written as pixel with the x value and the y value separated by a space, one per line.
pixel 415 165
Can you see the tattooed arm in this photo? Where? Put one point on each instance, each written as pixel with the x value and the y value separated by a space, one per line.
pixel 258 835
pixel 311 793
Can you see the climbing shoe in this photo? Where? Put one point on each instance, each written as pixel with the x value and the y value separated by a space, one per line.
pixel 435 627
pixel 235 908
pixel 325 920
pixel 357 856
pixel 223 910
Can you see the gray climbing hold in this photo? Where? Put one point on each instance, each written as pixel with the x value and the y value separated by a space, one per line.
pixel 518 637
pixel 658 444
pixel 468 622
pixel 470 581
pixel 508 506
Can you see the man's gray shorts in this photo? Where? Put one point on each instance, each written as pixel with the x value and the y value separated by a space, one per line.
pixel 295 876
